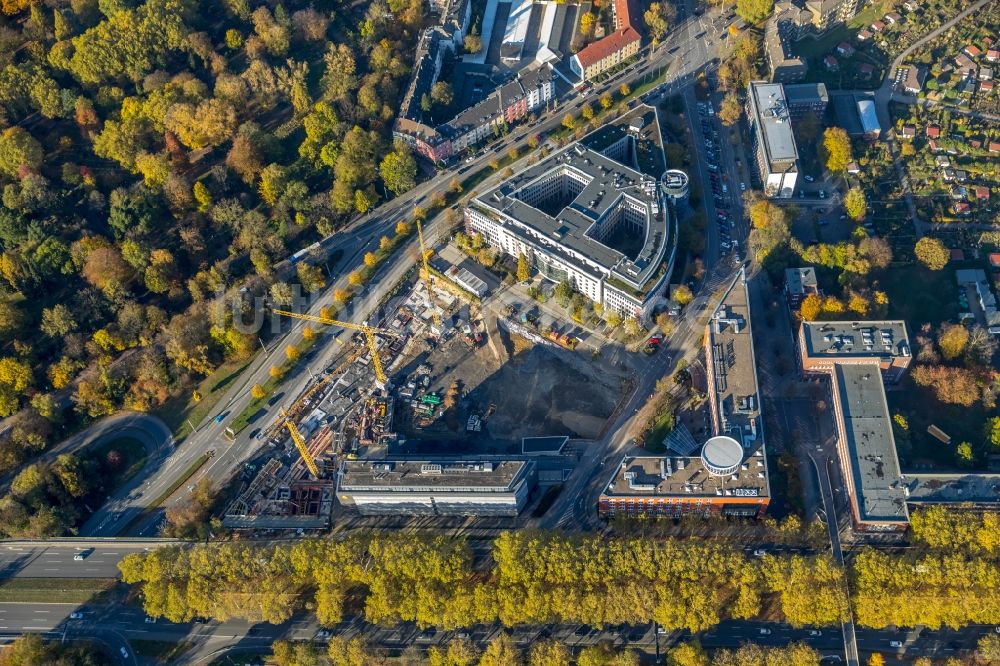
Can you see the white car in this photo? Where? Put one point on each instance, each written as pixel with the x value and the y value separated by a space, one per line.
pixel 809 179
pixel 124 652
pixel 323 633
pixel 765 632
pixel 150 619
pixel 76 616
pixel 815 632
pixel 896 644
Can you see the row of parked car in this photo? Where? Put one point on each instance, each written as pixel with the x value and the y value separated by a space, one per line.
pixel 720 190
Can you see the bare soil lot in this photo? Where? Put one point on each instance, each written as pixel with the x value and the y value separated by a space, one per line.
pixel 541 390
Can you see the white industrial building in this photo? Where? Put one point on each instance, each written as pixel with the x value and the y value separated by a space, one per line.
pixel 773 141
pixel 869 118
pixel 440 487
pixel 571 212
pixel 516 31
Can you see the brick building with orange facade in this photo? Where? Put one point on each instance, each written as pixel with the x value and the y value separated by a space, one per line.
pixel 860 357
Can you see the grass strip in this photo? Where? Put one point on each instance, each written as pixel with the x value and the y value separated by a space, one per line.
pixel 249 413
pixel 53 590
pixel 179 481
pixel 162 652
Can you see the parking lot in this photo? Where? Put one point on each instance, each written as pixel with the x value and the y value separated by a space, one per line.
pixel 724 191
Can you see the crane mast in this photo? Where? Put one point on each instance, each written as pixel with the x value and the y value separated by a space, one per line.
pixel 368 331
pixel 300 444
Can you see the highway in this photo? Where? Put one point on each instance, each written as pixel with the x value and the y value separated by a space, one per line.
pixel 120 623
pixel 55 560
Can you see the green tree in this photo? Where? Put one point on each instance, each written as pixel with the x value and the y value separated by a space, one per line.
pixel 58 321
pixel 442 93
pixel 399 169
pixel 523 268
pixel 501 652
pixel 993 431
pixel 932 253
pixel 855 204
pixel 18 149
pixel 27 650
pixel 965 455
pixel 549 653
pixel 234 39
pixel 311 277
pixel 730 110
pixel 952 339
pixel 754 11
pixel 687 654
pixel 836 149
pixel 563 292
pixel 658 18
pixel 202 196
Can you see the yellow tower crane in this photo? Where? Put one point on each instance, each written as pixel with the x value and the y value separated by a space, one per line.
pixel 368 331
pixel 423 258
pixel 428 282
pixel 300 444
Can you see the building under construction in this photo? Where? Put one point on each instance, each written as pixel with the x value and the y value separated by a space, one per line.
pixel 375 421
pixel 275 500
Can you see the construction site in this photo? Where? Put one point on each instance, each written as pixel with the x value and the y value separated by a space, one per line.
pixel 488 396
pixel 446 371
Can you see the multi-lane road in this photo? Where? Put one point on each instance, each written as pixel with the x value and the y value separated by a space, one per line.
pixel 119 624
pixel 55 559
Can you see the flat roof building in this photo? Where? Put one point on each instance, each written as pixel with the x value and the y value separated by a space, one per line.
pixel 799 283
pixel 825 344
pixel 730 476
pixel 974 491
pixel 773 141
pixel 867 450
pixel 869 118
pixel 675 486
pixel 582 216
pixel 805 98
pixel 859 356
pixel 516 30
pixel 440 487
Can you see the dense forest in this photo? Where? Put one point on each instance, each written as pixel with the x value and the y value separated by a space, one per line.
pixel 154 155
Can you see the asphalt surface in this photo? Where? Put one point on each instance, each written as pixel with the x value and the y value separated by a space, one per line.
pixel 118 624
pixel 55 560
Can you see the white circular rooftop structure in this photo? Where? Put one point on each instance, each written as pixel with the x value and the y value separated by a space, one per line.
pixel 722 455
pixel 675 183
